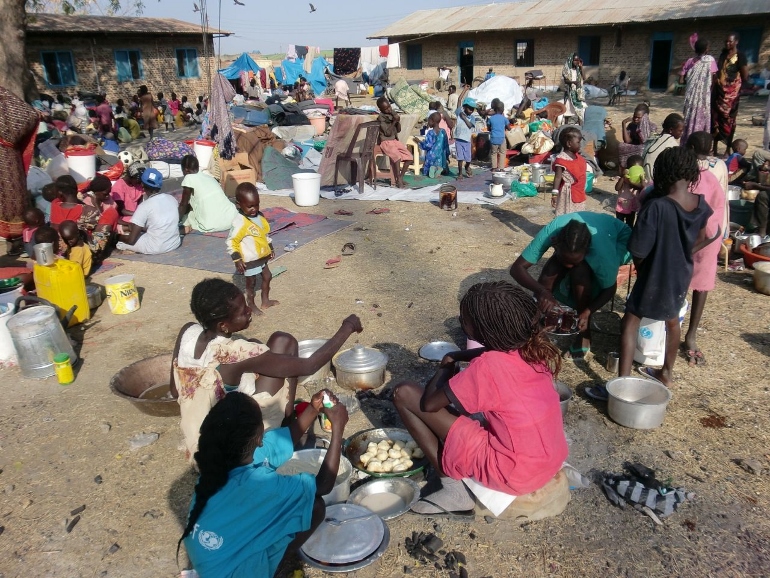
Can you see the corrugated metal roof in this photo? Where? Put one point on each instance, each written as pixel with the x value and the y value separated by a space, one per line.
pixel 62 23
pixel 564 13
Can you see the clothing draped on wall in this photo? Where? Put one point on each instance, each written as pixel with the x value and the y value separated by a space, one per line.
pixel 394 56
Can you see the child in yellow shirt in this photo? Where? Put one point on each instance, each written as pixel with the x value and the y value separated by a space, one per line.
pixel 74 247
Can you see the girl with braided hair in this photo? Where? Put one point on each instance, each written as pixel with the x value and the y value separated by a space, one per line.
pixel 208 362
pixel 671 227
pixel 510 381
pixel 244 516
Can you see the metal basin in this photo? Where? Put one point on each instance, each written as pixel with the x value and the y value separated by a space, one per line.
pixel 307 348
pixel 636 402
pixel 145 384
pixel 505 179
pixel 389 498
pixel 565 395
pixel 762 278
pixel 733 193
pixel 309 461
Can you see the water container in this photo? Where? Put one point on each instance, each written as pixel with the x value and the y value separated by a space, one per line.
pixel 82 164
pixel 38 337
pixel 64 286
pixel 204 150
pixel 307 189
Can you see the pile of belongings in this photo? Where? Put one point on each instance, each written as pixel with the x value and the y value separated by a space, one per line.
pixel 639 487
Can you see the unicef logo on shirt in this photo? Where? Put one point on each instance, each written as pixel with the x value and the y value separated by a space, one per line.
pixel 210 540
pixel 645 332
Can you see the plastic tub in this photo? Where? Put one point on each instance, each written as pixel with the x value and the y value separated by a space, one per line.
pixel 319 124
pixel 740 212
pixel 82 164
pixel 204 150
pixel 307 189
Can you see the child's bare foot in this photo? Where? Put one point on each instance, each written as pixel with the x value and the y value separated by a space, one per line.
pixel 269 303
pixel 460 176
pixel 468 173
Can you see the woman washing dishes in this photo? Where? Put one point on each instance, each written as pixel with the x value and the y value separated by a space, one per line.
pixel 204 206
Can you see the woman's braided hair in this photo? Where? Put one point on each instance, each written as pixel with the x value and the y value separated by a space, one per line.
pixel 211 300
pixel 190 163
pixel 673 165
pixel 228 434
pixel 672 121
pixel 574 237
pixel 505 318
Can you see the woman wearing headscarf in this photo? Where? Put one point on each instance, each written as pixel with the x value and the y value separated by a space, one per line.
pixel 635 131
pixel 574 96
pixel 732 73
pixel 17 142
pixel 697 71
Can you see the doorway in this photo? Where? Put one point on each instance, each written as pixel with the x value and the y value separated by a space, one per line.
pixel 465 62
pixel 660 59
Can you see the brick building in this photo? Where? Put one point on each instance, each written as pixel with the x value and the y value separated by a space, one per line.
pixel 649 39
pixel 116 55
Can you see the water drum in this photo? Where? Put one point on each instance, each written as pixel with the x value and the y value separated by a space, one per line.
pixel 82 164
pixel 307 189
pixel 122 295
pixel 204 150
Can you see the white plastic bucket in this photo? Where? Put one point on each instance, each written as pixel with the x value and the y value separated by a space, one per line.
pixel 307 189
pixel 7 349
pixel 81 164
pixel 204 150
pixel 651 340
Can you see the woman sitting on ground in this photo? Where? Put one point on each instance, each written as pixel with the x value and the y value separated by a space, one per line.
pixel 510 380
pixel 128 193
pixel 208 362
pixel 204 206
pixel 636 130
pixel 673 127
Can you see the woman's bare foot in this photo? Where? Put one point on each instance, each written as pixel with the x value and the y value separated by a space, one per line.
pixel 269 303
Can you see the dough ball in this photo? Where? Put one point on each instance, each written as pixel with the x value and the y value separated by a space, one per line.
pixel 382 455
pixel 394 453
pixel 411 444
pixel 366 458
pixel 408 463
pixel 371 446
pixel 374 466
pixel 387 465
pixel 398 445
pixel 384 445
pixel 400 468
pixel 406 453
pixel 418 454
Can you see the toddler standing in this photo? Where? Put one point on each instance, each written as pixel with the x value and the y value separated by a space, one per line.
pixel 436 147
pixel 465 127
pixel 570 173
pixel 627 187
pixel 249 245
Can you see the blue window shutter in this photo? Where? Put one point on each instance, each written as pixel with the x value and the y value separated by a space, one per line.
pixel 192 63
pixel 66 68
pixel 123 65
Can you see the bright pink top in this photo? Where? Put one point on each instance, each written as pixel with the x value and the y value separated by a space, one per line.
pixel 128 195
pixel 704 262
pixel 173 105
pixel 523 446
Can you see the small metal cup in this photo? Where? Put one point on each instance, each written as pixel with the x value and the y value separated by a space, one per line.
pixel 613 361
pixel 44 254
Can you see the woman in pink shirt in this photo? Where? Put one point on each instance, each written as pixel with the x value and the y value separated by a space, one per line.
pixel 128 192
pixel 510 381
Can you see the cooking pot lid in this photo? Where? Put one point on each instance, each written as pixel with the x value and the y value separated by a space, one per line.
pixel 360 359
pixel 347 542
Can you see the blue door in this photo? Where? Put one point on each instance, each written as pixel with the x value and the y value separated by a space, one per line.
pixel 660 59
pixel 465 62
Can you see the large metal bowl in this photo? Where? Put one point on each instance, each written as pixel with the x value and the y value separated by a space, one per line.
pixel 355 444
pixel 733 193
pixel 309 462
pixel 565 395
pixel 146 384
pixel 636 402
pixel 307 348
pixel 404 489
pixel 504 178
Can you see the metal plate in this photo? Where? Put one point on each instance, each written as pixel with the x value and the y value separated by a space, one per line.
pixel 345 543
pixel 406 490
pixel 343 568
pixel 436 350
pixel 355 444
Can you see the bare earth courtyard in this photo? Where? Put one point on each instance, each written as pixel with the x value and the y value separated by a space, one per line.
pixel 64 447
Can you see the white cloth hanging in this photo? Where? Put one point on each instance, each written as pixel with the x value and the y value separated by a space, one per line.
pixel 394 56
pixel 370 55
pixel 291 52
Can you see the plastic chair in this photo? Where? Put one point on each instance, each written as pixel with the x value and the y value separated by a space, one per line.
pixel 361 158
pixel 382 170
pixel 414 148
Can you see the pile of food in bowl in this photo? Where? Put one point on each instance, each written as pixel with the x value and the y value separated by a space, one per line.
pixel 390 456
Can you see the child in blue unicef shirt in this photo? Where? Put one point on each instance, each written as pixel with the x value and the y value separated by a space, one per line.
pixel 498 124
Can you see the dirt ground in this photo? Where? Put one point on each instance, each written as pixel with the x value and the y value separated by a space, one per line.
pixel 64 447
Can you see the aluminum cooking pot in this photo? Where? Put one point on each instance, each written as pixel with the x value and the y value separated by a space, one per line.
pixel 360 367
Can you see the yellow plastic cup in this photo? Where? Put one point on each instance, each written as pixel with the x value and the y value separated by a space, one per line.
pixel 62 366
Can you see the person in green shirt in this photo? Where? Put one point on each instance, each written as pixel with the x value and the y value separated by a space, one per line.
pixel 582 272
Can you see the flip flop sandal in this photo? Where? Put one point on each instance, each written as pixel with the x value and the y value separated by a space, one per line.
pixel 576 353
pixel 343 212
pixel 597 392
pixel 348 249
pixel 379 211
pixel 333 262
pixel 444 513
pixel 694 357
pixel 648 373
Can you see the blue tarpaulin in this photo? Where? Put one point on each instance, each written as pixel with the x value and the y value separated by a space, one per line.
pixel 293 70
pixel 243 62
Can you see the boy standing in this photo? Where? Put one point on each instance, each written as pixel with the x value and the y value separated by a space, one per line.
pixel 498 124
pixel 250 246
pixel 466 124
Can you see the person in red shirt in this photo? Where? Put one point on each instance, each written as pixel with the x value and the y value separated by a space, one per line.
pixel 104 114
pixel 511 382
pixel 98 196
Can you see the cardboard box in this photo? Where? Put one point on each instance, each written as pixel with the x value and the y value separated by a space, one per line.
pixel 231 179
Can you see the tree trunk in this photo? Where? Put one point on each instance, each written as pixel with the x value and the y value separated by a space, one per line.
pixel 14 72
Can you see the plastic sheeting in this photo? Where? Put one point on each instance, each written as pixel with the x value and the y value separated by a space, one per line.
pixel 502 87
pixel 293 70
pixel 243 62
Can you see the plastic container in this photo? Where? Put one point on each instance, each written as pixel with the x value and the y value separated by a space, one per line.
pixel 319 124
pixel 651 340
pixel 64 286
pixel 81 164
pixel 307 189
pixel 38 337
pixel 741 211
pixel 589 181
pixel 204 150
pixel 7 350
pixel 122 295
pixel 62 366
